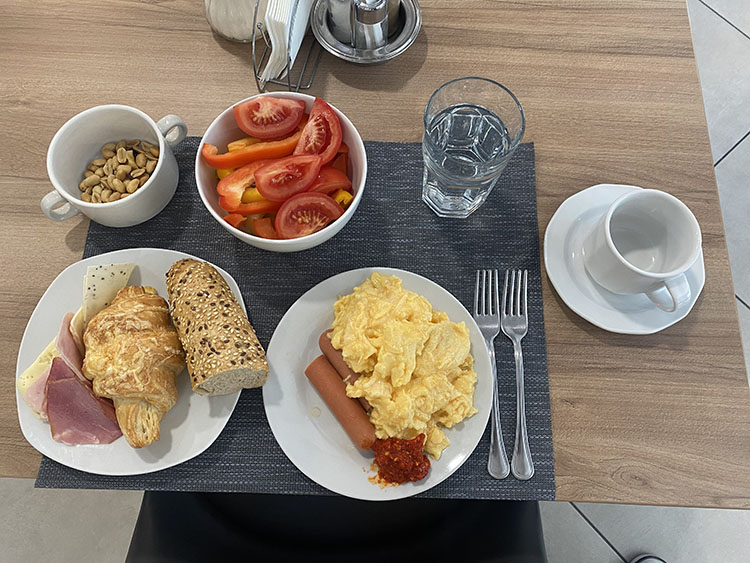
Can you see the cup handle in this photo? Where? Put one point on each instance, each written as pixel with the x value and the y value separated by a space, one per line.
pixel 173 128
pixel 52 208
pixel 671 294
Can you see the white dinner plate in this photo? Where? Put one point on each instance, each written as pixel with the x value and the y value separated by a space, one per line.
pixel 305 428
pixel 186 430
pixel 563 258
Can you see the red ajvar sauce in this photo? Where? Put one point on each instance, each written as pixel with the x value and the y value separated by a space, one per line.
pixel 401 460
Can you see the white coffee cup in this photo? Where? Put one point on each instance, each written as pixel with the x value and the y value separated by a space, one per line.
pixel 645 243
pixel 79 141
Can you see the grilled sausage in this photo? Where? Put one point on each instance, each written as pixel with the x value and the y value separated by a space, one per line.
pixel 337 361
pixel 347 411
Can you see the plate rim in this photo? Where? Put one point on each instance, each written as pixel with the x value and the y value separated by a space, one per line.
pixel 484 414
pixel 21 404
pixel 556 282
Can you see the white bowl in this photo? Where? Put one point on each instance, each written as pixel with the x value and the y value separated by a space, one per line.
pixel 224 130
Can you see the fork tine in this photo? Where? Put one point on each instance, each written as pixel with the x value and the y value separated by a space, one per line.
pixel 505 294
pixel 484 292
pixel 511 300
pixel 496 295
pixel 525 292
pixel 518 293
pixel 488 292
pixel 476 296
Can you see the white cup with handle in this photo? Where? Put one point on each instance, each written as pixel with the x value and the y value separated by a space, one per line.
pixel 645 243
pixel 79 141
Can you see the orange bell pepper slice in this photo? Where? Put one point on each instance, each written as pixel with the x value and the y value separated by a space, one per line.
pixel 235 219
pixel 256 151
pixel 263 227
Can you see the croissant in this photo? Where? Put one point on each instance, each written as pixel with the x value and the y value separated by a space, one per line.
pixel 133 356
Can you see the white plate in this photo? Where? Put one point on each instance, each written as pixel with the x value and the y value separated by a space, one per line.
pixel 304 427
pixel 563 244
pixel 186 430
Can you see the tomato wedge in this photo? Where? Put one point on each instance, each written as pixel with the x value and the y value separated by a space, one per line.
pixel 266 117
pixel 322 133
pixel 306 213
pixel 250 153
pixel 282 178
pixel 330 180
pixel 231 187
pixel 263 227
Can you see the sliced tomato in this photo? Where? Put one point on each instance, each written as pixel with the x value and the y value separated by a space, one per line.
pixel 266 117
pixel 282 178
pixel 306 213
pixel 341 162
pixel 263 227
pixel 330 180
pixel 235 219
pixel 322 133
pixel 231 187
pixel 250 153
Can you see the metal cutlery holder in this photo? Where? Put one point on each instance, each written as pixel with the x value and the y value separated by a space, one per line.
pixel 305 72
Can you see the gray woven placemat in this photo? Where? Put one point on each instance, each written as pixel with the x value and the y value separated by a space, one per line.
pixel 393 228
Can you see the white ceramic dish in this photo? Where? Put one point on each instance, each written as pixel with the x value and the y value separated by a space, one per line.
pixel 186 430
pixel 563 258
pixel 224 129
pixel 304 427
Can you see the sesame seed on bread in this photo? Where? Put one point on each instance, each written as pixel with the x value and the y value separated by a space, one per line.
pixel 222 352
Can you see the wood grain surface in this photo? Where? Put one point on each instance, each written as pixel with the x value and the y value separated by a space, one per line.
pixel 611 94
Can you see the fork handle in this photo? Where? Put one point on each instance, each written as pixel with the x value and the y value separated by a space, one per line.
pixel 521 464
pixel 497 464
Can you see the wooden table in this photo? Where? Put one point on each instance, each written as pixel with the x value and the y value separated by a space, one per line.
pixel 611 94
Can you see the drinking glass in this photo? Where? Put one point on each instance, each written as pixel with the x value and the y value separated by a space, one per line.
pixel 472 126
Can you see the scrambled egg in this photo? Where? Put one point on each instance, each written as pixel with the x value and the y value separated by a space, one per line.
pixel 415 364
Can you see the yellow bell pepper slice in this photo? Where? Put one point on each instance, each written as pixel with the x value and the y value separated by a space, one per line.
pixel 343 198
pixel 242 143
pixel 252 194
pixel 223 172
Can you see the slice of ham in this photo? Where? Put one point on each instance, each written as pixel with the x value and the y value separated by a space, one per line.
pixel 68 348
pixel 34 396
pixel 75 414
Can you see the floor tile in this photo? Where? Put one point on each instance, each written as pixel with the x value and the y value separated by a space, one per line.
pixel 678 535
pixel 65 525
pixel 722 54
pixel 736 11
pixel 744 314
pixel 733 179
pixel 569 538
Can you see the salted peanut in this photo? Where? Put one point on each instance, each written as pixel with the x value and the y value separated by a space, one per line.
pixel 99 172
pixel 99 162
pixel 122 171
pixel 97 189
pixel 150 165
pixel 123 196
pixel 85 196
pixel 131 144
pixel 92 180
pixel 118 185
pixel 106 192
pixel 140 160
pixel 95 198
pixel 108 153
pixel 154 151
pixel 121 158
pixel 130 159
pixel 83 187
pixel 87 173
pixel 132 185
pixel 92 166
pixel 120 145
pixel 109 147
pixel 143 179
pixel 137 172
pixel 114 196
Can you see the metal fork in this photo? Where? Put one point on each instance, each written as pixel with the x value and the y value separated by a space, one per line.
pixel 487 317
pixel 515 324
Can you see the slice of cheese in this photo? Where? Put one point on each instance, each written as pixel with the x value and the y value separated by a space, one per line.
pixel 35 370
pixel 76 330
pixel 101 286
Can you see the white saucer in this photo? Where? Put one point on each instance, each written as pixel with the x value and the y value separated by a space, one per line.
pixel 563 243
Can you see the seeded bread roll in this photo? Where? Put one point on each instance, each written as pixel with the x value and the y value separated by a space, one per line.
pixel 222 353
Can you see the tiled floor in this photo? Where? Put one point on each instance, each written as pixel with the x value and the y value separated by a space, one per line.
pixel 95 526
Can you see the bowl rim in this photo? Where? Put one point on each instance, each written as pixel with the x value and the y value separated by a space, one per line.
pixel 323 234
